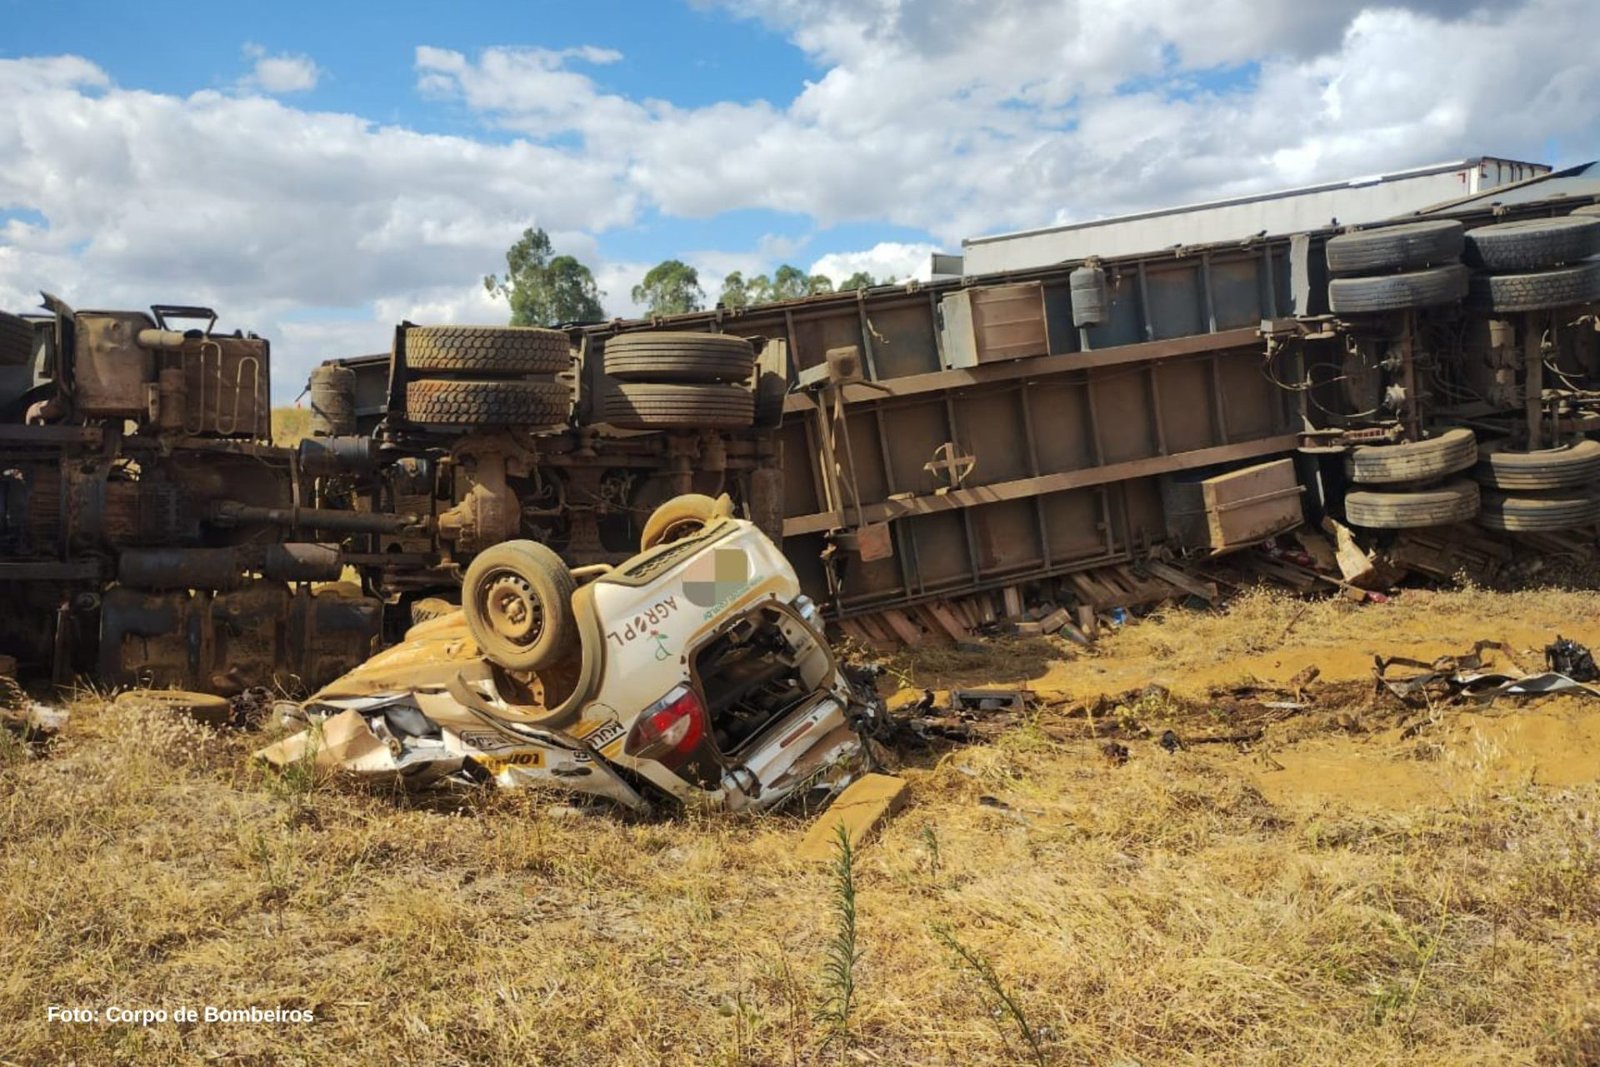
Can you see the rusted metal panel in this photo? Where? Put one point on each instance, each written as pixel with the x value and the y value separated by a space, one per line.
pixel 993 323
pixel 1217 511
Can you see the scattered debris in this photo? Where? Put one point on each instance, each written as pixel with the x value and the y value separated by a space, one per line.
pixel 1469 679
pixel 32 722
pixel 1115 752
pixel 969 715
pixel 1565 656
pixel 863 806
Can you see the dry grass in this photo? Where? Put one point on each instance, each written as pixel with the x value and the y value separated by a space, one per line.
pixel 1161 912
pixel 289 425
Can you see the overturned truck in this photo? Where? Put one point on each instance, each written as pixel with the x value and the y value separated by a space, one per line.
pixel 1423 380
pixel 149 531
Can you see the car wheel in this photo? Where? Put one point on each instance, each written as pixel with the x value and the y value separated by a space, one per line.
pixel 641 406
pixel 1455 501
pixel 491 350
pixel 1413 461
pixel 1533 244
pixel 517 597
pixel 1398 292
pixel 1563 287
pixel 679 357
pixel 682 516
pixel 1406 247
pixel 443 402
pixel 1551 468
pixel 1538 511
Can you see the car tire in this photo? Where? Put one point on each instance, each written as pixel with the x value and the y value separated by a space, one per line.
pixel 1499 467
pixel 1398 292
pixel 1412 461
pixel 679 357
pixel 16 340
pixel 1406 247
pixel 641 406
pixel 445 402
pixel 487 350
pixel 1455 501
pixel 1564 287
pixel 1533 512
pixel 682 516
pixel 1533 244
pixel 517 598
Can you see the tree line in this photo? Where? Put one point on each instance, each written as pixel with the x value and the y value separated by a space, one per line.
pixel 545 289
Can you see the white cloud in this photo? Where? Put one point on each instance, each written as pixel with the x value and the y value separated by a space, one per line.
pixel 948 117
pixel 884 260
pixel 282 73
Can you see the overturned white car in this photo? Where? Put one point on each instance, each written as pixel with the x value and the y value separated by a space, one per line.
pixel 695 671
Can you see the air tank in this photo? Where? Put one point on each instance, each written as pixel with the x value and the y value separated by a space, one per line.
pixel 1090 302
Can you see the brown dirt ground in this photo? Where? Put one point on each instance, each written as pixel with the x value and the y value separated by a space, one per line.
pixel 1359 884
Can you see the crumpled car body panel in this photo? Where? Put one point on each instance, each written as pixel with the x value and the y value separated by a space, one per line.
pixel 432 709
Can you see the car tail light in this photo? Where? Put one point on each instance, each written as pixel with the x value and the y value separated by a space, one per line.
pixel 668 730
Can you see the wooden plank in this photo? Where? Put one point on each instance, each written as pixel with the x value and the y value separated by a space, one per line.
pixel 907 631
pixel 947 620
pixel 1093 592
pixel 1173 576
pixel 986 608
pixel 1055 621
pixel 1087 622
pixel 879 630
pixel 1013 599
pixel 864 805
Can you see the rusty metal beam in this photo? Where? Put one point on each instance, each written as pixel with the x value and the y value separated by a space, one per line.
pixel 1038 366
pixel 1048 483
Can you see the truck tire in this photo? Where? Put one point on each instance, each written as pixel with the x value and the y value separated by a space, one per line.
pixel 1415 244
pixel 638 406
pixel 1557 510
pixel 487 350
pixel 16 340
pixel 517 598
pixel 1533 244
pixel 682 516
pixel 441 402
pixel 1551 468
pixel 1455 501
pixel 1398 292
pixel 1563 287
pixel 679 357
pixel 1412 461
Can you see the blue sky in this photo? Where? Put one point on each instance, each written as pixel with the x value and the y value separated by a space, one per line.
pixel 318 171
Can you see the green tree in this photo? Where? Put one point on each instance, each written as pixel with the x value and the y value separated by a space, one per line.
pixel 859 280
pixel 788 282
pixel 545 290
pixel 735 293
pixel 671 288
